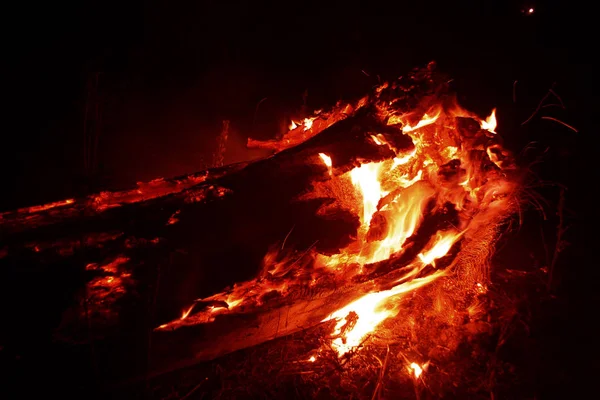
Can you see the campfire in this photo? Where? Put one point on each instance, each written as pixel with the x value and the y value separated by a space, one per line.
pixel 378 218
pixel 427 199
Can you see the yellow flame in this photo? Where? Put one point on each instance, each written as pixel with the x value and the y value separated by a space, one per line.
pixel 443 241
pixel 490 122
pixel 366 178
pixel 371 312
pixel 308 122
pixel 416 370
pixel 293 126
pixel 426 120
pixel 405 158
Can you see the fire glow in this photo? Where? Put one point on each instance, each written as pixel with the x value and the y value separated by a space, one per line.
pixel 445 172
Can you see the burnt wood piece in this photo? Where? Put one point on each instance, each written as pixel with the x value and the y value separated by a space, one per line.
pixel 107 269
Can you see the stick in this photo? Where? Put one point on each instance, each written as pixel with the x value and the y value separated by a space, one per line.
pixel 286 237
pixel 193 390
pixel 562 123
pixel 381 375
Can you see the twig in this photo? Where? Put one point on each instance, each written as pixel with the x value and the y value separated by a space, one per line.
pixel 193 390
pixel 304 253
pixel 553 105
pixel 537 108
pixel 381 375
pixel 562 123
pixel 286 237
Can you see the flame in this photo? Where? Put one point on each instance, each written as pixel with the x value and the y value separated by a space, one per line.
pixel 293 125
pixel 187 312
pixel 308 122
pixel 312 359
pixel 366 178
pixel 426 120
pixel 489 124
pixel 362 316
pixel 396 191
pixel 416 369
pixel 442 244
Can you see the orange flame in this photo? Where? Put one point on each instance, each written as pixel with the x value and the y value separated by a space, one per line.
pixel 308 122
pixel 187 312
pixel 394 190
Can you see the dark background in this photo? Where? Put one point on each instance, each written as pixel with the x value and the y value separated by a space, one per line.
pixel 170 72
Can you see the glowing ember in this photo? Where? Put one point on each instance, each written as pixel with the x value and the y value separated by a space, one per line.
pixel 326 159
pixel 187 312
pixel 293 126
pixel 48 206
pixel 312 359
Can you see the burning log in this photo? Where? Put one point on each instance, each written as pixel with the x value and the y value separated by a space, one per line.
pixel 358 207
